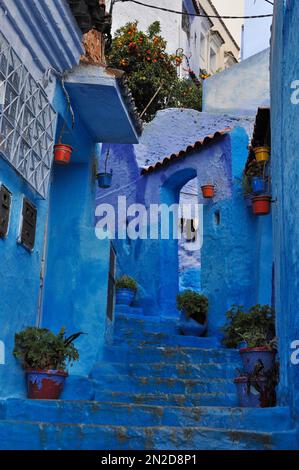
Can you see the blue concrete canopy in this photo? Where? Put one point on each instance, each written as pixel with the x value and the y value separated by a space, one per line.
pixel 96 96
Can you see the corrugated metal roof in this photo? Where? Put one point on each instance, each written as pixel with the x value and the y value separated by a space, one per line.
pixel 175 156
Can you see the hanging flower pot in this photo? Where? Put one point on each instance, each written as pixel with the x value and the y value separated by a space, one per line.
pixel 104 180
pixel 62 153
pixel 262 154
pixel 261 205
pixel 208 191
pixel 258 184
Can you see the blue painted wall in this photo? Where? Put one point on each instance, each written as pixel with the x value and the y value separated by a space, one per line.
pixel 285 170
pixel 241 89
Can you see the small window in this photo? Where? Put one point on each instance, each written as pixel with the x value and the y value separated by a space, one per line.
pixel 217 218
pixel 28 228
pixel 5 204
pixel 213 60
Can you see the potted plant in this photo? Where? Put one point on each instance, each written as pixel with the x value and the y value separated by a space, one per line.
pixel 262 153
pixel 208 191
pixel 194 310
pixel 44 357
pixel 126 288
pixel 255 328
pixel 62 153
pixel 261 205
pixel 105 179
pixel 257 389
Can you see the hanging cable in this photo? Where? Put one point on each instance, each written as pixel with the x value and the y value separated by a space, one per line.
pixel 201 15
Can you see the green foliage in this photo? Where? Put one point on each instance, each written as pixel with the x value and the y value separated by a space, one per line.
pixel 256 327
pixel 149 68
pixel 39 348
pixel 126 282
pixel 194 305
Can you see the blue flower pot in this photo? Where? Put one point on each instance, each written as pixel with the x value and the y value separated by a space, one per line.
pixel 251 399
pixel 104 180
pixel 250 356
pixel 124 296
pixel 190 327
pixel 258 185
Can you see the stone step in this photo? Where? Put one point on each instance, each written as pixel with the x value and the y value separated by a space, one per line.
pixel 45 436
pixel 171 355
pixel 143 323
pixel 129 383
pixel 165 369
pixel 133 338
pixel 169 399
pixel 121 414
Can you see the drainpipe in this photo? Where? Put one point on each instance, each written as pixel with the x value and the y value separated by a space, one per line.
pixel 242 41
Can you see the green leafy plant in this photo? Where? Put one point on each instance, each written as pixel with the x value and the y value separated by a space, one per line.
pixel 126 282
pixel 39 348
pixel 194 305
pixel 255 326
pixel 151 71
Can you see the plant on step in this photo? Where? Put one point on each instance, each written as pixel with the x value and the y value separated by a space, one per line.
pixel 45 356
pixel 257 388
pixel 256 326
pixel 126 288
pixel 194 311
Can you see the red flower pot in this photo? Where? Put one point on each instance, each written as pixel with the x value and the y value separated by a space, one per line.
pixel 62 153
pixel 208 191
pixel 261 205
pixel 45 384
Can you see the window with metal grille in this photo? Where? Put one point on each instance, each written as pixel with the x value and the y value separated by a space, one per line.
pixel 27 121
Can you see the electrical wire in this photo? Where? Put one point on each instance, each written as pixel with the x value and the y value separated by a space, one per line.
pixel 201 15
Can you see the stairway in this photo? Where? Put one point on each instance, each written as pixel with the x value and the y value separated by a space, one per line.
pixel 153 389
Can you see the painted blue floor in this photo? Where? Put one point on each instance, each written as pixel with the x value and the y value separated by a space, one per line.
pixel 153 389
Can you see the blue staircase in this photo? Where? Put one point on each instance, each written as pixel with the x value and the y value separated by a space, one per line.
pixel 153 389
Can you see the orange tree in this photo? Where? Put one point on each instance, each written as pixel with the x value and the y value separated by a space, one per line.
pixel 151 71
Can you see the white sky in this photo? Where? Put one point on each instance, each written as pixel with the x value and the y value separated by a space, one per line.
pixel 232 8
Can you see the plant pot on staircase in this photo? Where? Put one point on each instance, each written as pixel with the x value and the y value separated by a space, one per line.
pixel 126 288
pixel 248 395
pixel 252 356
pixel 194 310
pixel 45 384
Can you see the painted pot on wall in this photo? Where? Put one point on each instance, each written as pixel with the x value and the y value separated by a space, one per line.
pixel 62 153
pixel 208 191
pixel 258 184
pixel 262 154
pixel 248 396
pixel 261 205
pixel 45 384
pixel 104 180
pixel 125 296
pixel 252 356
pixel 190 327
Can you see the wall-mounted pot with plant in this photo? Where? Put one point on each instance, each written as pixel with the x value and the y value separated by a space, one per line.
pixel 105 178
pixel 45 357
pixel 126 289
pixel 255 330
pixel 194 313
pixel 208 190
pixel 256 174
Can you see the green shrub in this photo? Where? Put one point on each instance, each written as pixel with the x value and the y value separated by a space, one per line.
pixel 126 282
pixel 255 326
pixel 39 348
pixel 194 305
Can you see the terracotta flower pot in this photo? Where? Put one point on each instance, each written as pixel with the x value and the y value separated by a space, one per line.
pixel 261 205
pixel 45 384
pixel 208 191
pixel 62 153
pixel 262 154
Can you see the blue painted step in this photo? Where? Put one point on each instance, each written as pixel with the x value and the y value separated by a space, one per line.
pixel 45 436
pixel 170 354
pixel 105 413
pixel 171 399
pixel 133 338
pixel 127 383
pixel 164 369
